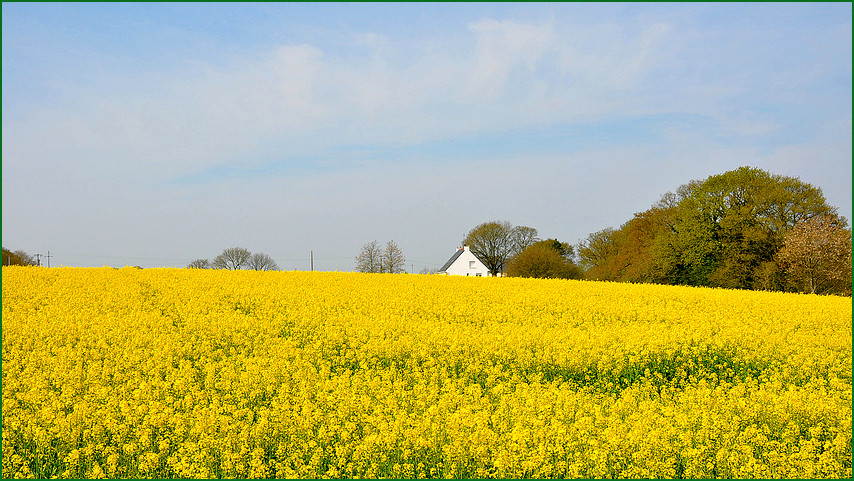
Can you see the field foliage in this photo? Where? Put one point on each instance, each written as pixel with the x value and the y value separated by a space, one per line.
pixel 203 373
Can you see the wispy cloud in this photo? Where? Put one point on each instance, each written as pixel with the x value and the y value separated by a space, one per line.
pixel 298 111
pixel 298 98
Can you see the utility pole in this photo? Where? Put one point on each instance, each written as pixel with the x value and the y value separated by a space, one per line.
pixel 311 257
pixel 48 258
pixel 38 260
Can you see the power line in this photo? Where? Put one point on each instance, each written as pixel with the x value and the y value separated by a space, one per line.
pixel 125 257
pixel 180 262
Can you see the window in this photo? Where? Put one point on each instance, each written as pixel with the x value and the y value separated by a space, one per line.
pixel 479 274
pixel 471 264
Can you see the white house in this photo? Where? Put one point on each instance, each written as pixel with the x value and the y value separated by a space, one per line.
pixel 464 263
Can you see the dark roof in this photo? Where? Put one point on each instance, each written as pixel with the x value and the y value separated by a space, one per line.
pixel 452 259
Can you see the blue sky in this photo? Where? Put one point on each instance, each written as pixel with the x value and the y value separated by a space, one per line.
pixel 155 134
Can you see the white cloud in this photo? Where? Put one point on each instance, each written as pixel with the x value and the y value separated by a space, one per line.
pixel 501 47
pixel 296 98
pixel 111 155
pixel 746 123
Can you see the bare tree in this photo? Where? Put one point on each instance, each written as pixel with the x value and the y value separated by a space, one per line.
pixel 199 264
pixel 393 259
pixel 262 262
pixel 370 259
pixel 232 258
pixel 26 259
pixel 495 242
pixel 522 237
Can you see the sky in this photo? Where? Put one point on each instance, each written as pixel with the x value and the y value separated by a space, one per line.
pixel 159 133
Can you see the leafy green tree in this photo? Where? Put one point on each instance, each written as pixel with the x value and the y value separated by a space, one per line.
pixel 769 277
pixel 564 249
pixel 641 255
pixel 723 231
pixel 598 254
pixel 544 259
pixel 730 224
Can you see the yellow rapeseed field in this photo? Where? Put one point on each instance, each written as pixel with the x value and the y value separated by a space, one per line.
pixel 201 373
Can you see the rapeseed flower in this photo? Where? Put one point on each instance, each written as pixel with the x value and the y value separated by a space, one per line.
pixel 298 374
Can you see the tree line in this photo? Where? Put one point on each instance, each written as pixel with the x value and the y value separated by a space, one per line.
pixel 743 229
pixel 17 258
pixel 234 258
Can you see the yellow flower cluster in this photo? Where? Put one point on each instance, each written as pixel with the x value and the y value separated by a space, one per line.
pixel 199 373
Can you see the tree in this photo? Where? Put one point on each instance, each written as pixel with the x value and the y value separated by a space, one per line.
pixel 816 256
pixel 722 232
pixel 563 248
pixel 370 259
pixel 643 252
pixel 26 259
pixel 393 260
pixel 598 254
pixel 17 258
pixel 495 242
pixel 232 258
pixel 769 277
pixel 732 223
pixel 9 258
pixel 199 264
pixel 373 258
pixel 544 259
pixel 522 237
pixel 261 262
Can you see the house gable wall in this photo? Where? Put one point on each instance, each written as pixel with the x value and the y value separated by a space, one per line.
pixel 467 264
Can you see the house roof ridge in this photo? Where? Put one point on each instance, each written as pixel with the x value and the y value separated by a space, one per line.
pixel 452 259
